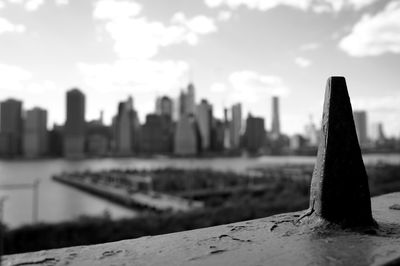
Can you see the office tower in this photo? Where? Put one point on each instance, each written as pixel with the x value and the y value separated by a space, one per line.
pixel 98 138
pixel 360 121
pixel 377 132
pixel 190 100
pixel 204 121
pixel 74 129
pixel 254 136
pixel 35 141
pixel 182 104
pixel 156 134
pixel 166 106
pixel 55 141
pixel 157 109
pixel 126 128
pixel 10 128
pixel 275 128
pixel 236 126
pixel 218 135
pixel 227 132
pixel 312 133
pixel 185 139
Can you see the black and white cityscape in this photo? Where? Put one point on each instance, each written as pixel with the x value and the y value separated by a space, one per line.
pixel 181 127
pixel 201 132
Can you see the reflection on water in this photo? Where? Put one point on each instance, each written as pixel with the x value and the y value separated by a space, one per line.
pixel 58 202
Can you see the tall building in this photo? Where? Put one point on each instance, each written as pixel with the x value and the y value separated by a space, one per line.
pixel 98 138
pixel 156 134
pixel 35 141
pixel 166 106
pixel 185 139
pixel 126 128
pixel 227 133
pixel 182 104
pixel 236 126
pixel 55 146
pixel 10 128
pixel 74 129
pixel 377 132
pixel 204 120
pixel 218 135
pixel 190 100
pixel 312 133
pixel 254 136
pixel 360 121
pixel 157 110
pixel 276 127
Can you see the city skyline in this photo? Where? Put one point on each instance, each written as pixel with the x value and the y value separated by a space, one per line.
pixel 112 49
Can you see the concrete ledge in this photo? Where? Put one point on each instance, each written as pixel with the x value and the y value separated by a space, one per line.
pixel 275 240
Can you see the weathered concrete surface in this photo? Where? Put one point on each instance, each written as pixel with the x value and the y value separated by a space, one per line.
pixel 276 240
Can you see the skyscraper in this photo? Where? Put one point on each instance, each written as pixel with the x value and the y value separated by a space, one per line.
pixel 185 140
pixel 35 141
pixel 254 135
pixel 166 106
pixel 190 100
pixel 10 128
pixel 156 134
pixel 204 120
pixel 227 134
pixel 74 129
pixel 360 121
pixel 276 127
pixel 236 125
pixel 126 128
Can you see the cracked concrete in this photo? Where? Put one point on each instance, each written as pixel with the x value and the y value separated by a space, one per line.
pixel 275 240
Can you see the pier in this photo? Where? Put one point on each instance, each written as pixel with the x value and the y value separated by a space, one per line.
pixel 127 194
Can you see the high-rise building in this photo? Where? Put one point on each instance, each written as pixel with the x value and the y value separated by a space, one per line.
pixel 10 128
pixel 182 104
pixel 218 135
pixel 276 127
pixel 204 120
pixel 157 110
pixel 360 121
pixel 166 106
pixel 74 129
pixel 126 128
pixel 377 133
pixel 227 133
pixel 236 126
pixel 35 141
pixel 98 138
pixel 254 136
pixel 56 141
pixel 156 134
pixel 185 140
pixel 312 133
pixel 190 100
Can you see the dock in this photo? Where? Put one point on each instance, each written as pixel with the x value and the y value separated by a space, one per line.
pixel 123 195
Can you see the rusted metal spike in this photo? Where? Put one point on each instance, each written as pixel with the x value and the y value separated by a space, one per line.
pixel 339 186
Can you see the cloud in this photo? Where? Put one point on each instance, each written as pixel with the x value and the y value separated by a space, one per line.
pixel 141 75
pixel 302 62
pixel 13 77
pixel 33 5
pixel 253 90
pixel 375 35
pixel 319 6
pixel 111 9
pixel 309 46
pixel 224 15
pixel 7 26
pixel 135 36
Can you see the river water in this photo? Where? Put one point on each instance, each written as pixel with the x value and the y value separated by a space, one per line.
pixel 58 202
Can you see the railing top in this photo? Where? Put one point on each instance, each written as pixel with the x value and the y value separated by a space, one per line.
pixel 275 240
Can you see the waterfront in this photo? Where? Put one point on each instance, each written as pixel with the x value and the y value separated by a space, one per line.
pixel 59 203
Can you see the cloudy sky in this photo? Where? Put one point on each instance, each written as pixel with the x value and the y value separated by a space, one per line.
pixel 233 50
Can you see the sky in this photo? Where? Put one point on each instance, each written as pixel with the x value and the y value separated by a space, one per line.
pixel 232 50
